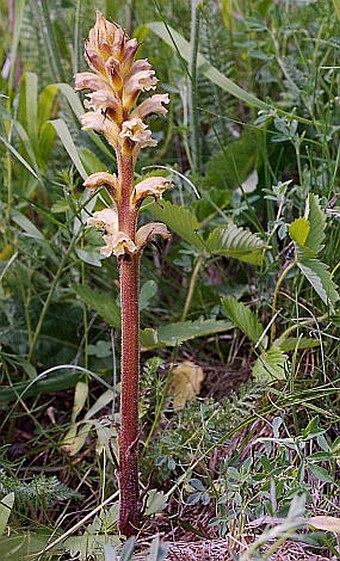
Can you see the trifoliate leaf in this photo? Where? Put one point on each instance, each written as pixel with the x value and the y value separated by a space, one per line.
pixel 317 273
pixel 243 318
pixel 317 221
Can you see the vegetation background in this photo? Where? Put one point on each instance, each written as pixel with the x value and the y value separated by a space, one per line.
pixel 239 309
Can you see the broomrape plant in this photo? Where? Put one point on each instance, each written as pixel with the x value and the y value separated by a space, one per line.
pixel 115 85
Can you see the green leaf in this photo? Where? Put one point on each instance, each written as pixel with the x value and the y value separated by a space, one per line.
pixel 174 334
pixel 6 505
pixel 18 548
pixel 243 318
pixel 229 168
pixel 81 393
pixel 29 228
pixel 270 365
pixel 317 273
pixel 299 230
pixel 45 104
pixel 234 241
pixel 92 257
pixel 31 91
pixel 67 140
pixel 292 343
pixel 19 10
pixel 317 221
pixel 18 156
pixel 321 473
pixel 147 292
pixel 181 221
pixel 183 47
pixel 103 304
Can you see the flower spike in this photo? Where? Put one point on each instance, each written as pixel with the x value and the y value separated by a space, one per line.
pixel 114 86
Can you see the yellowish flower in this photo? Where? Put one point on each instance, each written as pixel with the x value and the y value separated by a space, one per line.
pixel 141 78
pixel 106 219
pixel 98 121
pixel 152 186
pixel 118 244
pixel 138 132
pixel 97 180
pixel 153 104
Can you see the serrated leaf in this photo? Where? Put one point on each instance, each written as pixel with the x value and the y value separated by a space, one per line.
pixel 327 523
pixel 270 365
pixel 186 383
pixel 6 505
pixel 102 303
pixel 234 241
pixel 181 221
pixel 174 334
pixel 292 343
pixel 299 230
pixel 149 339
pixel 317 273
pixel 317 221
pixel 243 318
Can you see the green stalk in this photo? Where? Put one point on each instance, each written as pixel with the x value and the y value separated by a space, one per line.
pixel 49 298
pixel 199 262
pixel 276 294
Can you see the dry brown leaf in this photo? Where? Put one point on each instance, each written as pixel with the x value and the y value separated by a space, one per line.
pixel 187 379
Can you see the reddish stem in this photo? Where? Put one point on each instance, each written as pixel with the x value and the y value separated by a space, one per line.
pixel 130 506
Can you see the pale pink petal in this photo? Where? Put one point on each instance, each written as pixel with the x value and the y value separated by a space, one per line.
pixel 153 104
pixel 149 231
pixel 151 186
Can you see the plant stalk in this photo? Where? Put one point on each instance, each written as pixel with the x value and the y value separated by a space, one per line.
pixel 128 439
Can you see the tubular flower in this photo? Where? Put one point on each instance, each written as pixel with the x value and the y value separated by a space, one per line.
pixel 151 186
pixel 97 180
pixel 118 244
pixel 106 219
pixel 115 85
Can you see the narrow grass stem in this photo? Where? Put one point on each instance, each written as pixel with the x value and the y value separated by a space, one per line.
pixel 46 305
pixel 276 294
pixel 200 260
pixel 193 115
pixel 158 412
